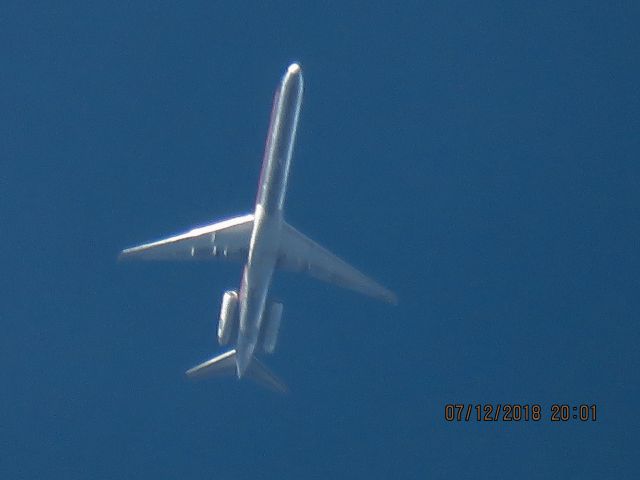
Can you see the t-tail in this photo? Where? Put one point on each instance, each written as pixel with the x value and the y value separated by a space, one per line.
pixel 225 365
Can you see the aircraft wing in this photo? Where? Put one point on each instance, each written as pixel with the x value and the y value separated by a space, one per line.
pixel 228 239
pixel 299 253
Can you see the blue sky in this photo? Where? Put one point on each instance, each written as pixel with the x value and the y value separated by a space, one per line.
pixel 480 160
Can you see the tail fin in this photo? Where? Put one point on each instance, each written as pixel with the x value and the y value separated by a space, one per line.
pixel 225 364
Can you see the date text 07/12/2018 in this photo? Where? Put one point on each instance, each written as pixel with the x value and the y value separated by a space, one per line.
pixel 513 412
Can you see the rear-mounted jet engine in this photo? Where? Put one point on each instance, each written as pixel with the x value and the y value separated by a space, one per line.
pixel 228 319
pixel 272 328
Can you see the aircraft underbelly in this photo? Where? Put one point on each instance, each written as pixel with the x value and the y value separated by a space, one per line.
pixel 265 241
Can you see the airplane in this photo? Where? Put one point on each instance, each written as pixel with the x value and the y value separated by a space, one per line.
pixel 264 241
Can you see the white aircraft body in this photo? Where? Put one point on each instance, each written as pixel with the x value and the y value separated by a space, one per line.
pixel 264 241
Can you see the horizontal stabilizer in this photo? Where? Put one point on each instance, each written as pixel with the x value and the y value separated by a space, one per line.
pixel 259 372
pixel 298 253
pixel 225 365
pixel 228 239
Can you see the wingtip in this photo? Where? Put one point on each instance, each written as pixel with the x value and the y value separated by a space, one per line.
pixel 124 255
pixel 391 298
pixel 192 373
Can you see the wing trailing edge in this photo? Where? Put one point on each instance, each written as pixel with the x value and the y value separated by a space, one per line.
pixel 298 253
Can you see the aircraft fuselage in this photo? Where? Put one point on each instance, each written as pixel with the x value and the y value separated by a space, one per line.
pixel 265 237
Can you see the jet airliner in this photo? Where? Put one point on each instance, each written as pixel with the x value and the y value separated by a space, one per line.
pixel 264 241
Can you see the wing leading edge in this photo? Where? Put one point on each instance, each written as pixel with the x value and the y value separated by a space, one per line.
pixel 298 253
pixel 228 239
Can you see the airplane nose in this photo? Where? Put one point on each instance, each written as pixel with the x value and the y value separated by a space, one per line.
pixel 294 68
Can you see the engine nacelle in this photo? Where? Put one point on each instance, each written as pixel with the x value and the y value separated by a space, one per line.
pixel 228 318
pixel 272 327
